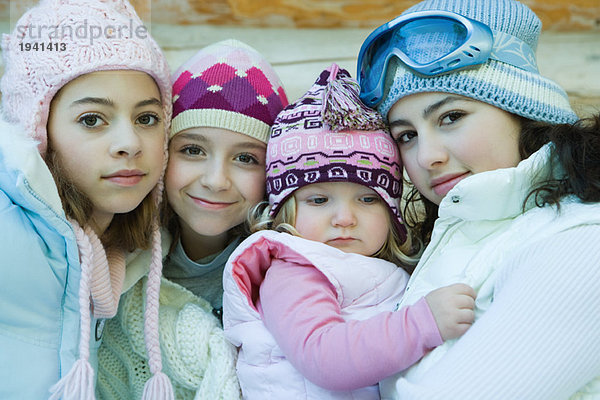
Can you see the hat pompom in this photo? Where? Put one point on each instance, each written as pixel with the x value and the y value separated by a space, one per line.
pixel 343 108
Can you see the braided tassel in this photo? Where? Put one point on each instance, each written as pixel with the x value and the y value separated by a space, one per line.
pixel 343 108
pixel 158 387
pixel 78 384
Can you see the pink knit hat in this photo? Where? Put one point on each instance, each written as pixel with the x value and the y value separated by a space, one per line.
pixel 227 85
pixel 328 135
pixel 87 36
pixel 80 37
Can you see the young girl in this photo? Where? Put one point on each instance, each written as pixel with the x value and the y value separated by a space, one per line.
pixel 311 311
pixel 226 98
pixel 79 167
pixel 510 184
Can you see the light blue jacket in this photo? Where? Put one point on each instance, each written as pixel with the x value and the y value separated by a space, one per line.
pixel 39 275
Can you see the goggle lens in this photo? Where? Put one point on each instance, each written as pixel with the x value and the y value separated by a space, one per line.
pixel 374 62
pixel 431 29
pixel 432 43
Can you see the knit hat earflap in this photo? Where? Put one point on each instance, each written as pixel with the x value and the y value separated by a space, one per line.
pixel 509 87
pixel 328 135
pixel 227 85
pixel 86 36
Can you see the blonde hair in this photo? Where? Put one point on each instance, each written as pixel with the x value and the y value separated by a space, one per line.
pixel 393 250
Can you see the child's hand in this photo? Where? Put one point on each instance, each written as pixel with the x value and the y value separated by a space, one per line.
pixel 452 307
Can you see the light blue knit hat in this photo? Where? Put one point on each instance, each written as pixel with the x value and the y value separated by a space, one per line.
pixel 512 89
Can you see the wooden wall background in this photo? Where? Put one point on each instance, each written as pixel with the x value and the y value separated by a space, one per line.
pixel 556 15
pixel 301 37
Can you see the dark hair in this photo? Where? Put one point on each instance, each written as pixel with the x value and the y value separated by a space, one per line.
pixel 576 150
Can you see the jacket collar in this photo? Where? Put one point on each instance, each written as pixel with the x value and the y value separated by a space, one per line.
pixel 498 194
pixel 21 161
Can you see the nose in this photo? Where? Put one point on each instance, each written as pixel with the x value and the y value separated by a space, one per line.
pixel 216 176
pixel 431 152
pixel 126 141
pixel 343 216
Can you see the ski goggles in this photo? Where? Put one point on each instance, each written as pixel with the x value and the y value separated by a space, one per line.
pixel 474 43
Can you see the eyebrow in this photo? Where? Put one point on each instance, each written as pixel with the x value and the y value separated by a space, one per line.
pixel 201 138
pixel 108 102
pixel 430 109
pixel 191 136
pixel 94 100
pixel 150 102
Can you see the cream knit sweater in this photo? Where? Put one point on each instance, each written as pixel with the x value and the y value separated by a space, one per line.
pixel 196 356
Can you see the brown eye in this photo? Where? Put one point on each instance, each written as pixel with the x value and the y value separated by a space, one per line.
pixel 192 151
pixel 90 120
pixel 405 137
pixel 247 159
pixel 452 117
pixel 148 119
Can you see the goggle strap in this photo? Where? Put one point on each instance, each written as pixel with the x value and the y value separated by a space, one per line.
pixel 512 50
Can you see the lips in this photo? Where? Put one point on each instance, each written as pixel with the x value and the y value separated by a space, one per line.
pixel 341 240
pixel 442 185
pixel 212 205
pixel 125 177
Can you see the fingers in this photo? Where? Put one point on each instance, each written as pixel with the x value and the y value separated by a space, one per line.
pixel 465 316
pixel 464 289
pixel 464 302
pixel 453 309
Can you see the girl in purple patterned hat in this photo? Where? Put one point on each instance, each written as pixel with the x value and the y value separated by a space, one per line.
pixel 309 298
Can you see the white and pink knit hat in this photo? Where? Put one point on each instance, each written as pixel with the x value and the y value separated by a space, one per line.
pixel 86 36
pixel 80 37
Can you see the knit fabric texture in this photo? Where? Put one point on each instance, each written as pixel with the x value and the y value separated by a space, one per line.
pixel 303 149
pixel 86 36
pixel 107 275
pixel 505 86
pixel 88 31
pixel 198 358
pixel 227 85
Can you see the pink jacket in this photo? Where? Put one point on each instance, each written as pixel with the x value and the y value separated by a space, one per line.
pixel 313 322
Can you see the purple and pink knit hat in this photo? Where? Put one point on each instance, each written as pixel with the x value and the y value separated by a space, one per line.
pixel 328 135
pixel 227 85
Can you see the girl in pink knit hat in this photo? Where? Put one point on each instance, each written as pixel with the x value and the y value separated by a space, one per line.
pixel 309 299
pixel 225 99
pixel 87 105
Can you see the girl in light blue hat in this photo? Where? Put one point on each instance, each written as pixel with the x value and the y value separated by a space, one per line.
pixel 509 179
